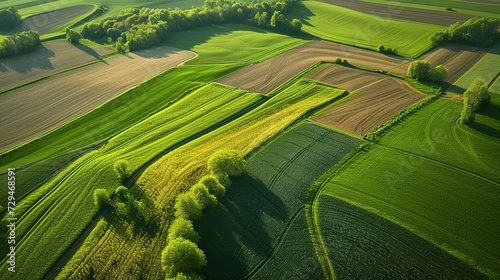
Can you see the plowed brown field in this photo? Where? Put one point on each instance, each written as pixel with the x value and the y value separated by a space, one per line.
pixel 376 100
pixel 267 75
pixel 46 60
pixel 48 21
pixel 35 109
pixel 400 12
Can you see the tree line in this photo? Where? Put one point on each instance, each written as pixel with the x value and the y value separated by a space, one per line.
pixel 181 258
pixel 479 31
pixel 135 28
pixel 21 42
pixel 9 18
pixel 475 97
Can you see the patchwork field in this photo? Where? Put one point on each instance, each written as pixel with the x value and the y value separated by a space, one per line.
pixel 257 222
pixel 365 246
pixel 397 11
pixel 35 109
pixel 48 21
pixel 343 77
pixel 364 30
pixel 369 106
pixel 46 60
pixel 263 77
pixel 435 178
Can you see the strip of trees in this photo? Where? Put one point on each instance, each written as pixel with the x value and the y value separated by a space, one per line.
pixel 421 70
pixel 479 31
pixel 136 28
pixel 181 258
pixel 474 97
pixel 21 42
pixel 9 18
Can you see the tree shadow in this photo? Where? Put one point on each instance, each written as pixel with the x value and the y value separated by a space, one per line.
pixel 239 228
pixel 40 58
pixel 301 12
pixel 90 51
pixel 158 52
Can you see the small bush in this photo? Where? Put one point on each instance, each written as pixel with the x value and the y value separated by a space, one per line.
pixel 73 36
pixel 101 198
pixel 122 169
pixel 418 69
pixel 338 60
pixel 449 9
pixel 345 62
pixel 381 48
pixel 213 185
pixel 203 196
pixel 182 228
pixel 439 74
pixel 182 256
pixel 187 207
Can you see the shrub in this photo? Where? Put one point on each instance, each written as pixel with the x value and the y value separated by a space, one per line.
pixel 474 97
pixel 101 198
pixel 73 36
pixel 229 162
pixel 182 228
pixel 122 169
pixel 418 69
pixel 202 195
pixel 345 62
pixel 213 185
pixel 182 256
pixel 187 207
pixel 381 48
pixel 9 18
pixel 439 74
pixel 21 42
pixel 121 192
pixel 338 60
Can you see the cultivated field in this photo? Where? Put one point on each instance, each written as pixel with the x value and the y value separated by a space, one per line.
pixel 437 179
pixel 401 12
pixel 343 77
pixel 265 76
pixel 46 60
pixel 374 102
pixel 48 21
pixel 35 109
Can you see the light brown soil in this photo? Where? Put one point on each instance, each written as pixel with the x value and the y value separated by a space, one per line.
pixel 48 59
pixel 444 18
pixel 267 75
pixel 343 77
pixel 48 21
pixel 458 59
pixel 370 106
pixel 35 109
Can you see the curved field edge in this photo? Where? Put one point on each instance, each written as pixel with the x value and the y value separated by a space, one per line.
pixel 175 171
pixel 400 169
pixel 370 32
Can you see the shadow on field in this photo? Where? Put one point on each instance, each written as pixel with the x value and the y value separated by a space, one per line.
pixel 40 59
pixel 301 12
pixel 157 52
pixel 90 51
pixel 241 222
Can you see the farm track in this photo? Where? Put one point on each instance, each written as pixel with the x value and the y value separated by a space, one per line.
pixel 38 108
pixel 132 181
pixel 402 13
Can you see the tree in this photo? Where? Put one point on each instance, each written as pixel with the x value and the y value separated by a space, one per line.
pixel 101 198
pixel 295 25
pixel 202 195
pixel 73 36
pixel 213 185
pixel 229 162
pixel 418 69
pixel 279 22
pixel 187 207
pixel 9 18
pixel 439 74
pixel 474 97
pixel 182 228
pixel 122 169
pixel 182 256
pixel 121 192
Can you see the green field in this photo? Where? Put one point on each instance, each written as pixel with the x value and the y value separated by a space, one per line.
pixel 366 246
pixel 462 6
pixel 363 30
pixel 435 178
pixel 232 43
pixel 56 213
pixel 486 69
pixel 270 201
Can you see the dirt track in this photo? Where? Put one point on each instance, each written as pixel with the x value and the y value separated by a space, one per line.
pixel 444 18
pixel 35 109
pixel 46 60
pixel 267 75
pixel 48 21
pixel 376 100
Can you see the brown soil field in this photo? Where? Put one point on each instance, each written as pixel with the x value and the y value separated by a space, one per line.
pixel 458 59
pixel 267 75
pixel 404 13
pixel 48 21
pixel 35 109
pixel 370 106
pixel 343 77
pixel 46 60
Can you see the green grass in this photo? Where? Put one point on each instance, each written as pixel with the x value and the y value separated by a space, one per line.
pixel 486 69
pixel 367 246
pixel 115 115
pixel 256 224
pixel 461 6
pixel 363 30
pixel 232 43
pixel 56 213
pixel 435 178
